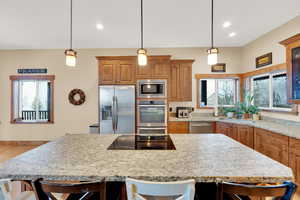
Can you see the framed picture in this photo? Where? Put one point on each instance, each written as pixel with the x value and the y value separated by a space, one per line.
pixel 264 60
pixel 220 67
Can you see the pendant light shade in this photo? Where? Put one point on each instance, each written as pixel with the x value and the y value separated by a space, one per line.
pixel 70 54
pixel 212 57
pixel 142 53
pixel 70 57
pixel 142 57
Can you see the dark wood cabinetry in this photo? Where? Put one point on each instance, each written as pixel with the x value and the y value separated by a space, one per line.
pixel 294 157
pixel 292 45
pixel 178 127
pixel 272 145
pixel 117 70
pixel 158 67
pixel 180 81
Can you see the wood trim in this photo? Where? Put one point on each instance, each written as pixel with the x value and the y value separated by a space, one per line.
pixel 35 77
pixel 131 57
pixel 51 78
pixel 216 76
pixel 265 70
pixel 23 143
pixel 290 40
pixel 182 61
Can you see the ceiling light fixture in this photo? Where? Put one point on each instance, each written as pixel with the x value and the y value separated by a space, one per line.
pixel 232 34
pixel 100 26
pixel 141 52
pixel 212 58
pixel 70 53
pixel 226 24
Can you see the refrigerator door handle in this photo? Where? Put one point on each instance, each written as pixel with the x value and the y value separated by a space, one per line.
pixel 117 112
pixel 113 113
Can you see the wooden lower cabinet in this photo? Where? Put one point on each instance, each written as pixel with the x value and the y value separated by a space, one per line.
pixel 244 134
pixel 272 145
pixel 294 157
pixel 178 127
pixel 226 129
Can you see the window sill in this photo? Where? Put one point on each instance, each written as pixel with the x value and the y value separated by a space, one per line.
pixel 291 112
pixel 37 122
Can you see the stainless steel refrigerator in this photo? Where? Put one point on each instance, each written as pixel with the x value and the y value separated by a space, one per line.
pixel 117 109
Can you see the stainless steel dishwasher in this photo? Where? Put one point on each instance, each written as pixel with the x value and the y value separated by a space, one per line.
pixel 201 127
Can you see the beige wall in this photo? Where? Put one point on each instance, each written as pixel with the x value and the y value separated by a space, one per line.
pixel 270 43
pixel 76 119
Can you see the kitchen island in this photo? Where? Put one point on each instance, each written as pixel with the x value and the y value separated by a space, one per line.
pixel 207 158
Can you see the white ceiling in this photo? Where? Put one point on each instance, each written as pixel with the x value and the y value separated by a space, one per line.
pixel 41 24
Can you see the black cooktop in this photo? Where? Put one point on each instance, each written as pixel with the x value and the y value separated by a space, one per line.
pixel 142 142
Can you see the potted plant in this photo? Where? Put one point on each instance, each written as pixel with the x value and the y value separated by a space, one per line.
pixel 229 112
pixel 239 111
pixel 254 111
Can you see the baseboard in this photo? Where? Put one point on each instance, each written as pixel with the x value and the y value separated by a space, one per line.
pixel 23 143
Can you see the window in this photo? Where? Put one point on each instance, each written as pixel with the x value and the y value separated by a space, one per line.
pixel 217 92
pixel 270 91
pixel 32 99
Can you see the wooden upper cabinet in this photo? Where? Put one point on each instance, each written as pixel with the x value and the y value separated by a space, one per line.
pixel 180 81
pixel 117 70
pixel 272 145
pixel 158 67
pixel 126 72
pixel 292 45
pixel 107 71
pixel 294 157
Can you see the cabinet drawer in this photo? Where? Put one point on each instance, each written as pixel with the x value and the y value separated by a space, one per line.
pixel 178 127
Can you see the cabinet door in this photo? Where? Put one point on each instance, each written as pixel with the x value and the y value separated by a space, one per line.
pixel 173 82
pixel 178 127
pixel 245 135
pixel 271 144
pixel 144 71
pixel 107 71
pixel 126 72
pixel 225 128
pixel 161 69
pixel 294 157
pixel 185 82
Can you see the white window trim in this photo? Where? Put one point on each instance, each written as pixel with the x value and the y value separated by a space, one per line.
pixel 271 75
pixel 237 91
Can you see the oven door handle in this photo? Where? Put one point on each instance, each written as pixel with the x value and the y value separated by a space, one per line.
pixel 152 105
pixel 152 128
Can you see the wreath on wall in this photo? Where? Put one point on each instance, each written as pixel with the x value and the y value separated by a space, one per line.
pixel 76 97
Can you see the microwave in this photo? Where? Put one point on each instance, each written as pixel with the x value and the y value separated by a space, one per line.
pixel 152 88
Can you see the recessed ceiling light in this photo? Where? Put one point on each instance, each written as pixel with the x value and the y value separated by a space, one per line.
pixel 226 24
pixel 100 26
pixel 232 34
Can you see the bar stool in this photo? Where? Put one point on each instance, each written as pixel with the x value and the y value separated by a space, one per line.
pixel 81 190
pixel 236 191
pixel 146 190
pixel 6 190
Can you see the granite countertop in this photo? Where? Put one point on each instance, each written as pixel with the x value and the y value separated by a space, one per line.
pixel 203 157
pixel 291 130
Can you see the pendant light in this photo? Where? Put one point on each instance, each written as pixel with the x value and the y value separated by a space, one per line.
pixel 70 53
pixel 212 58
pixel 142 53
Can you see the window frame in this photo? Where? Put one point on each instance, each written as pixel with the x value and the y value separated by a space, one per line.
pixel 271 75
pixel 237 91
pixel 13 78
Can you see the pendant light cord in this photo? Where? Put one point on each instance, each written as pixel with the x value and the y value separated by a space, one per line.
pixel 71 23
pixel 212 23
pixel 142 25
